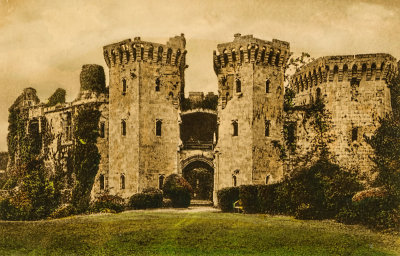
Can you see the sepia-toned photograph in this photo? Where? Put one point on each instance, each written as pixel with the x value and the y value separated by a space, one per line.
pixel 227 127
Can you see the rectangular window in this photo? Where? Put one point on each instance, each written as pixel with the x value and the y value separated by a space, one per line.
pixel 158 127
pixel 68 127
pixel 235 127
pixel 354 134
pixel 267 127
pixel 123 127
pixel 102 129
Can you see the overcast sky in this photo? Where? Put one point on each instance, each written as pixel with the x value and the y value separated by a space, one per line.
pixel 43 44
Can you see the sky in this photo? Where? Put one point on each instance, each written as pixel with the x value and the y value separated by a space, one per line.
pixel 43 44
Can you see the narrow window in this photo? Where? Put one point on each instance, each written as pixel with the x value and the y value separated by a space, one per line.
pixel 158 127
pixel 157 84
pixel 354 134
pixel 123 86
pixel 102 129
pixel 122 181
pixel 267 83
pixel 267 127
pixel 101 182
pixel 235 128
pixel 160 181
pixel 234 179
pixel 241 55
pixel 68 128
pixel 266 179
pixel 238 86
pixel 123 127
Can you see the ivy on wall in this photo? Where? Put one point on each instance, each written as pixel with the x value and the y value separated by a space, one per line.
pixel 57 97
pixel 86 155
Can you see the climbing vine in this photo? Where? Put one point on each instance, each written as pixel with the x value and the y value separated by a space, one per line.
pixel 57 97
pixel 86 155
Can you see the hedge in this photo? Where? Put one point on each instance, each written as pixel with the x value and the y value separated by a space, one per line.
pixel 147 199
pixel 226 198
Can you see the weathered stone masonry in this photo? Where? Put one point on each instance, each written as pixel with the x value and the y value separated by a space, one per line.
pixel 147 135
pixel 355 92
pixel 250 86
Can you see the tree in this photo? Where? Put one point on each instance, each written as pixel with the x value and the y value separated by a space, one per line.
pixel 386 144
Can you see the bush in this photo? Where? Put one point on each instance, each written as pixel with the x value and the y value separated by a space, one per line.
pixel 248 195
pixel 108 203
pixel 226 198
pixel 267 195
pixel 149 198
pixel 63 211
pixel 178 190
pixel 373 212
pixel 16 207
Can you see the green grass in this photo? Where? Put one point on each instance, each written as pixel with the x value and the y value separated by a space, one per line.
pixel 189 233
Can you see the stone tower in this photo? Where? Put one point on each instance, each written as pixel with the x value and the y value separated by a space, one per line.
pixel 355 91
pixel 250 75
pixel 145 90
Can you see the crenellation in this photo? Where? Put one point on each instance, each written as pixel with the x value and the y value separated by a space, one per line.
pixel 248 49
pixel 147 133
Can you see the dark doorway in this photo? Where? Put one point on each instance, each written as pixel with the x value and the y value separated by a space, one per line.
pixel 200 176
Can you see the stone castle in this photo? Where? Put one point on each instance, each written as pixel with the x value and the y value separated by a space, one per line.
pixel 146 133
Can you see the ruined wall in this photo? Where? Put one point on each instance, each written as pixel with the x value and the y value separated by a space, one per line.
pixel 146 86
pixel 251 155
pixel 57 123
pixel 355 92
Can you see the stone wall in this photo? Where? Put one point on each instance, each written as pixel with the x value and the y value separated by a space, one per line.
pixel 146 87
pixel 355 92
pixel 252 155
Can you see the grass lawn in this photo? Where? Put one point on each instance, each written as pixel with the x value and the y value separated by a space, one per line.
pixel 171 232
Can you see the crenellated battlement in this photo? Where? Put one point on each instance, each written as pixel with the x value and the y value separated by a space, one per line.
pixel 172 53
pixel 378 66
pixel 247 49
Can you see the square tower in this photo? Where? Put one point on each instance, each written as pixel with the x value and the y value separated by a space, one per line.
pixel 250 75
pixel 146 87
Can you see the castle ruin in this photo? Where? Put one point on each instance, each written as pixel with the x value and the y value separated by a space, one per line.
pixel 147 131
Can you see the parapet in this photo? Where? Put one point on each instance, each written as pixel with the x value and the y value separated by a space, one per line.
pixel 172 53
pixel 378 66
pixel 247 49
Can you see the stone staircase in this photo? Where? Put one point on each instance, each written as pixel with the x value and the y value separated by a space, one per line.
pixel 201 203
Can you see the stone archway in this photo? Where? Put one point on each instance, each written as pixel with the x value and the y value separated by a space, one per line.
pixel 199 173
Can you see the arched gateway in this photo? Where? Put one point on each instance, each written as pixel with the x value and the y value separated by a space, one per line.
pixel 198 132
pixel 198 170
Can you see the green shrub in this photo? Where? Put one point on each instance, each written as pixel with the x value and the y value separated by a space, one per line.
pixel 150 198
pixel 248 195
pixel 178 190
pixel 373 212
pixel 63 211
pixel 226 198
pixel 318 192
pixel 108 203
pixel 267 198
pixel 16 207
